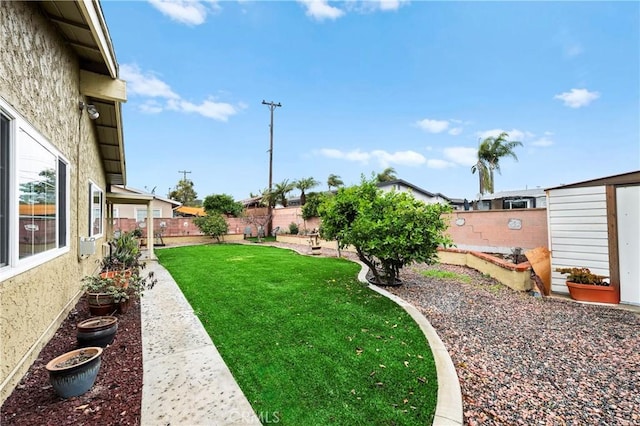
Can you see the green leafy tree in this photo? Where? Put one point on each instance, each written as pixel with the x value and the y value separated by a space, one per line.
pixel 387 175
pixel 222 203
pixel 388 229
pixel 184 193
pixel 303 185
pixel 213 224
pixel 490 151
pixel 310 209
pixel 334 181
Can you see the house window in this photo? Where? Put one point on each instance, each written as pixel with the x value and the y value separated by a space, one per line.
pixel 97 211
pixel 141 214
pixel 34 204
pixel 517 204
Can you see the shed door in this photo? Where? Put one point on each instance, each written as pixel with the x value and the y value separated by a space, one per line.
pixel 628 209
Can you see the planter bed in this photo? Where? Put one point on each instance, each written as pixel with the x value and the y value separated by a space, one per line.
pixel 114 399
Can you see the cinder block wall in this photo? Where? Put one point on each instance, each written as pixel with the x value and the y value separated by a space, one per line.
pixel 499 231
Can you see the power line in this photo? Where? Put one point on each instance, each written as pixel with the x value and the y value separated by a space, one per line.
pixel 184 173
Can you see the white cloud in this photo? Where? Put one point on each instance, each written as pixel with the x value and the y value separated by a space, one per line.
pixel 151 107
pixel 455 131
pixel 147 84
pixel 439 164
pixel 357 155
pixel 404 158
pixel 461 155
pixel 514 134
pixel 321 10
pixel 384 158
pixel 188 12
pixel 433 126
pixel 217 110
pixel 577 98
pixel 544 141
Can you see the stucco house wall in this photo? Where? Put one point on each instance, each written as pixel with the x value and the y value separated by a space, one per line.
pixel 39 81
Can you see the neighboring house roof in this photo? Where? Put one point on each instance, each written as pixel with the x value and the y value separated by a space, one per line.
pixel 413 187
pixel 191 211
pixel 535 192
pixel 621 179
pixel 129 190
pixel 83 27
pixel 251 202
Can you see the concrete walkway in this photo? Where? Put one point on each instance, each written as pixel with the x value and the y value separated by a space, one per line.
pixel 185 380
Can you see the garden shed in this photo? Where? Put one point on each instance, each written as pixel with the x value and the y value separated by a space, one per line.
pixel 596 224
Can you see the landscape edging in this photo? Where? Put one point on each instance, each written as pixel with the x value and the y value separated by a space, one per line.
pixel 449 401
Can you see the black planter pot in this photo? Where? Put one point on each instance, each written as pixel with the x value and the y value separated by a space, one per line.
pixel 73 373
pixel 97 331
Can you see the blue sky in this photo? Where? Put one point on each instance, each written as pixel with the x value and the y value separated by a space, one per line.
pixel 375 84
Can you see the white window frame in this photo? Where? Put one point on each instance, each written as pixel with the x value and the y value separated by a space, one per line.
pixel 93 187
pixel 19 130
pixel 157 214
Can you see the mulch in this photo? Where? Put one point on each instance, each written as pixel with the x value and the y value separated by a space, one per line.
pixel 114 399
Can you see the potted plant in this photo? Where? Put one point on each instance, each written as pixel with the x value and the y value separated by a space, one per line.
pixel 99 292
pixel 73 373
pixel 107 295
pixel 586 286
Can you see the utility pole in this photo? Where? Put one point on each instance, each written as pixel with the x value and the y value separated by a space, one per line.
pixel 272 106
pixel 184 173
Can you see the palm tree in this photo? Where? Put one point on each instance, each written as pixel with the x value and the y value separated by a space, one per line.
pixel 281 190
pixel 269 198
pixel 387 175
pixel 334 181
pixel 490 151
pixel 303 185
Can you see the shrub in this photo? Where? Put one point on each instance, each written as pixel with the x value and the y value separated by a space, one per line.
pixel 388 230
pixel 213 225
pixel 293 228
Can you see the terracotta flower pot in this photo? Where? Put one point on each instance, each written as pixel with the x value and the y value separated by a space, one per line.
pixel 593 293
pixel 120 278
pixel 73 373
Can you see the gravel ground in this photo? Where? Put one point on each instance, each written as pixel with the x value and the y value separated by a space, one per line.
pixel 523 360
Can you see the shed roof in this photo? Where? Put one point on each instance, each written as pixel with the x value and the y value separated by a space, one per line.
pixel 629 178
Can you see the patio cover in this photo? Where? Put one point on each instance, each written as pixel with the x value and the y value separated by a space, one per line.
pixel 125 198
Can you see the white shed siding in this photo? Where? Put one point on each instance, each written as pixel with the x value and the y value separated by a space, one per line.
pixel 578 237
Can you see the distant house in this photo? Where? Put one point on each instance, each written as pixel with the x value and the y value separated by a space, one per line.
pixel 160 207
pixel 595 224
pixel 61 150
pixel 400 185
pixel 507 200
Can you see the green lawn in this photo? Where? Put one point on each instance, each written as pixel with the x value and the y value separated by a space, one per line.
pixel 307 343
